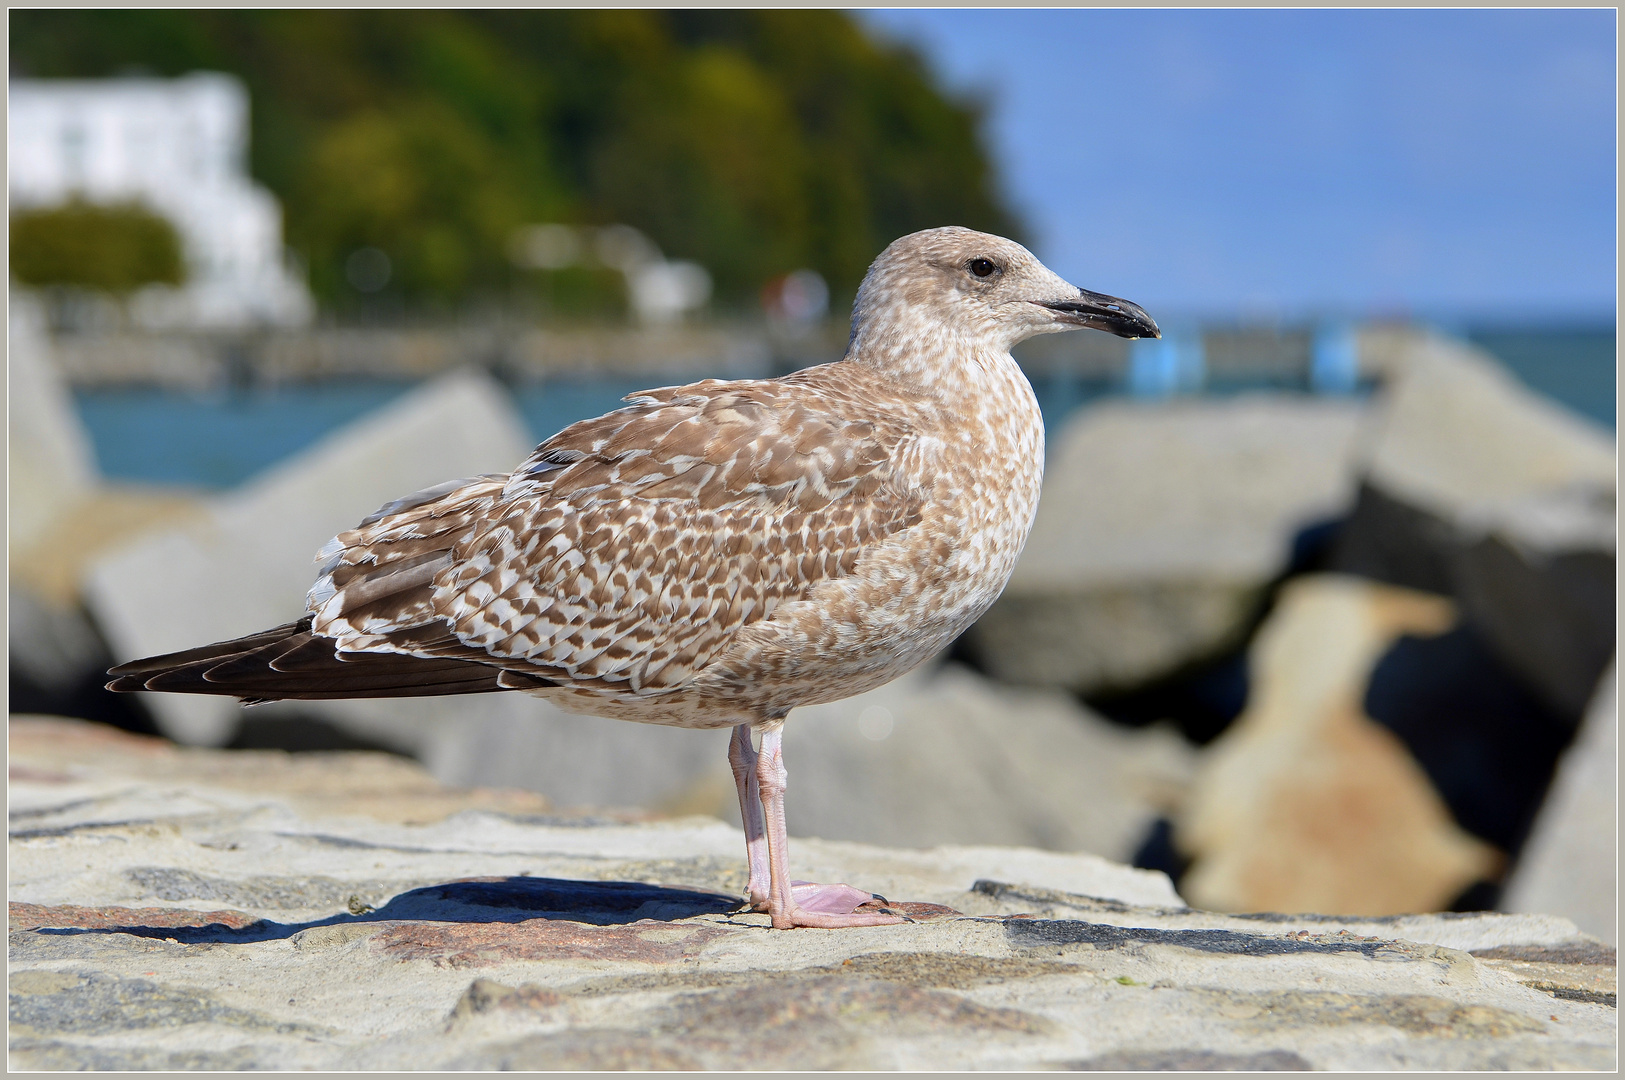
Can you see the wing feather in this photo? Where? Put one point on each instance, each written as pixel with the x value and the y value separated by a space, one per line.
pixel 629 550
pixel 290 662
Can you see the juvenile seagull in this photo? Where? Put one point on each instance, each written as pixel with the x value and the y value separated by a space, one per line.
pixel 714 555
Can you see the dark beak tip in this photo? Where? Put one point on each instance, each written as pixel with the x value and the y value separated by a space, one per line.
pixel 1108 313
pixel 1138 333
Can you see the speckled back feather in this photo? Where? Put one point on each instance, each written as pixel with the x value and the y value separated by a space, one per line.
pixel 630 549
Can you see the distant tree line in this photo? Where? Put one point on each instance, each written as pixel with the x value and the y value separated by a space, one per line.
pixel 754 142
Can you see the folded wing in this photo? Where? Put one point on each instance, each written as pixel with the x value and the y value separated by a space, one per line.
pixel 628 551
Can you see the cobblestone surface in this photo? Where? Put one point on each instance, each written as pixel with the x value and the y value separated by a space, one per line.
pixel 181 910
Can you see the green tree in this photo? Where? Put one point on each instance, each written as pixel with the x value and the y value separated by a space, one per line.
pixel 114 248
pixel 416 181
pixel 754 142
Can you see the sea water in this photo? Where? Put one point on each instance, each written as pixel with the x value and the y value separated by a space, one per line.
pixel 216 440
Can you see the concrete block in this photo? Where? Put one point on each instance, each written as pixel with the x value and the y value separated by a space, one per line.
pixel 1570 863
pixel 1476 487
pixel 1158 526
pixel 50 464
pixel 1458 435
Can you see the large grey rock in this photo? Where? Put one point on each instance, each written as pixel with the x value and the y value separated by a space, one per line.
pixel 513 740
pixel 1457 434
pixel 197 909
pixel 50 646
pixel 1158 527
pixel 1570 863
pixel 50 465
pixel 1476 487
pixel 1545 603
pixel 947 756
pixel 60 514
pixel 248 564
pixel 940 756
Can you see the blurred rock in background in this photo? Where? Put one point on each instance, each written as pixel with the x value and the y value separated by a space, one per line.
pixel 1159 526
pixel 1305 803
pixel 1571 860
pixel 247 564
pixel 60 516
pixel 50 464
pixel 1477 489
pixel 1474 489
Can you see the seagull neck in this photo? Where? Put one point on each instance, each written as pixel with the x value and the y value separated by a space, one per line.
pixel 941 362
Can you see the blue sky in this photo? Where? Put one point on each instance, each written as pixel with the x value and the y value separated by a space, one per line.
pixel 1444 163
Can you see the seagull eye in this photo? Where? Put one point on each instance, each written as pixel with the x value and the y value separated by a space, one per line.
pixel 982 267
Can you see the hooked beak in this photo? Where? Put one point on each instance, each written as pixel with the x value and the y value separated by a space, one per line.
pixel 1098 311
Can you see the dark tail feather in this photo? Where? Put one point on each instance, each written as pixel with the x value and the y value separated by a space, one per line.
pixel 289 662
pixel 154 664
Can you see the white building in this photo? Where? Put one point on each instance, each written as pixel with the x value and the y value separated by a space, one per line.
pixel 181 147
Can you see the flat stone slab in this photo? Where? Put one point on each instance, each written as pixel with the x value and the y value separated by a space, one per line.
pixel 178 910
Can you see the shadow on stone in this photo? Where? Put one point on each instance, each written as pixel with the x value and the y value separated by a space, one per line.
pixel 1050 933
pixel 1159 852
pixel 1203 696
pixel 300 734
pixel 1191 1060
pixel 474 900
pixel 1485 740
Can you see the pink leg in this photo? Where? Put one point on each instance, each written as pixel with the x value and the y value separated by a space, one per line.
pixel 742 757
pixel 800 903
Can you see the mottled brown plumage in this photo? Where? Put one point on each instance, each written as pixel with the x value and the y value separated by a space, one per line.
pixel 629 551
pixel 714 554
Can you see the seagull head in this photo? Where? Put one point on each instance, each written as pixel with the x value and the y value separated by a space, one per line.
pixel 974 285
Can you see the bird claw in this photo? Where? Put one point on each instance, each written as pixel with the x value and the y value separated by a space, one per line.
pixel 798 916
pixel 827 907
pixel 818 899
